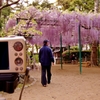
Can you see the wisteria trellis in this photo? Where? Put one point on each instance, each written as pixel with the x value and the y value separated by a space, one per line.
pixel 53 22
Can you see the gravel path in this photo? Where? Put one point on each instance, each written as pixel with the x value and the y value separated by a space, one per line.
pixel 66 84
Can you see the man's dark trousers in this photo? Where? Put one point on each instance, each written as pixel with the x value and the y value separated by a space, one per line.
pixel 44 79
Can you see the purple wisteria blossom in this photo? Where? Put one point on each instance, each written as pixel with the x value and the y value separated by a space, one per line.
pixel 52 23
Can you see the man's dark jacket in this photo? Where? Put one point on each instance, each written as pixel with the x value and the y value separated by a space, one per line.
pixel 45 56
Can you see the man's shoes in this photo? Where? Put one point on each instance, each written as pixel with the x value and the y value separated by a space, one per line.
pixel 48 82
pixel 44 85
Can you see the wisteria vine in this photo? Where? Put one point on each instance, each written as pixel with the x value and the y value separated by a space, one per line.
pixel 52 23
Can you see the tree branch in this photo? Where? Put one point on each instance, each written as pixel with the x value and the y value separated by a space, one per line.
pixel 1 7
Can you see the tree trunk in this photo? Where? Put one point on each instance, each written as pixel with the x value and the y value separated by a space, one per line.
pixel 94 54
pixel 94 48
pixel 0 2
pixel 96 6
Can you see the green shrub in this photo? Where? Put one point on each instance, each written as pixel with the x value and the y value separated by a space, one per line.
pixel 67 55
pixel 36 58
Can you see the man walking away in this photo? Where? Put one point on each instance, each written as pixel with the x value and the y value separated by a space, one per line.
pixel 46 59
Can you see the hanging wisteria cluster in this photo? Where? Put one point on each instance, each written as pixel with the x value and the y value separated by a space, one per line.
pixel 52 23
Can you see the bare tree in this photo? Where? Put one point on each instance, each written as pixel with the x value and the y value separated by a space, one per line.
pixel 7 3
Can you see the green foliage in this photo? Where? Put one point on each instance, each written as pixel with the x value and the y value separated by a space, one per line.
pixel 6 11
pixel 64 3
pixel 44 5
pixel 74 48
pixel 3 33
pixel 0 24
pixel 81 5
pixel 67 55
pixel 26 32
pixel 36 58
pixel 3 18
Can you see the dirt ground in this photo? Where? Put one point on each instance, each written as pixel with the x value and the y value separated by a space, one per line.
pixel 66 84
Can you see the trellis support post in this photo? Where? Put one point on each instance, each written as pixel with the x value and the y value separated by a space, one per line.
pixel 61 49
pixel 80 58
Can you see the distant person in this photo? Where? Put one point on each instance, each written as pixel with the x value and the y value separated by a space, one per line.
pixel 85 56
pixel 73 59
pixel 46 59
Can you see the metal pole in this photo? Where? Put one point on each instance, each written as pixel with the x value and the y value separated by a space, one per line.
pixel 69 52
pixel 80 59
pixel 61 48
